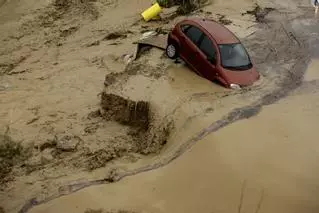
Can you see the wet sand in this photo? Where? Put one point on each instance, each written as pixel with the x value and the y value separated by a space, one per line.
pixel 268 162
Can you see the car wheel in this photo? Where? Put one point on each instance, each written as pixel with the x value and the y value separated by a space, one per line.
pixel 172 51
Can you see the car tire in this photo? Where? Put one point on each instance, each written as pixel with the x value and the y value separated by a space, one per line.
pixel 172 50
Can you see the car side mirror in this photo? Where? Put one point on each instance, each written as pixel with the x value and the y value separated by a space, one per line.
pixel 211 59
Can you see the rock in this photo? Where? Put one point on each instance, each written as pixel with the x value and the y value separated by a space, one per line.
pixel 4 86
pixel 68 143
pixel 128 58
pixel 46 156
pixel 45 142
pixel 41 158
pixel 34 161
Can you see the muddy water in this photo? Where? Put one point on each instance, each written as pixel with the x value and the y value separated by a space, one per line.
pixel 176 91
pixel 250 162
pixel 2 2
pixel 312 72
pixel 268 162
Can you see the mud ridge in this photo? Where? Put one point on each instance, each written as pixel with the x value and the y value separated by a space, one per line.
pixel 148 136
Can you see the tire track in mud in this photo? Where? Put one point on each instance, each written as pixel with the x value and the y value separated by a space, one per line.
pixel 287 85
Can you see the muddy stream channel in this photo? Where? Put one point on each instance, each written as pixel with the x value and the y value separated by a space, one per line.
pixel 260 156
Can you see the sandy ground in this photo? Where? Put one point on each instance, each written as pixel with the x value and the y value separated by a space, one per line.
pixel 206 148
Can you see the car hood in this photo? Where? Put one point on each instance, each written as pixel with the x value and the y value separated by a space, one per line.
pixel 241 77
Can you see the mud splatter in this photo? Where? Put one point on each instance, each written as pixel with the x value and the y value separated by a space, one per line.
pixel 117 35
pixel 223 20
pixel 259 13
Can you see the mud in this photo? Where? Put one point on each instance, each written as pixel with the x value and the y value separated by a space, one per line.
pixel 50 99
pixel 188 6
pixel 12 154
pixel 117 35
pixel 259 13
pixel 133 68
pixel 247 178
pixel 2 2
pixel 7 68
pixel 85 6
pixel 148 136
pixel 102 211
pixel 312 70
pixel 289 81
pixel 223 20
pixel 125 111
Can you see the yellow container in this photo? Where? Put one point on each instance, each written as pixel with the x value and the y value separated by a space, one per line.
pixel 152 12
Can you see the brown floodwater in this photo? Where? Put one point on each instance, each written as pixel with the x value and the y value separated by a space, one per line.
pixel 312 71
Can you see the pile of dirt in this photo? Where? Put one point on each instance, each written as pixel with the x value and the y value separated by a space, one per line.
pixel 12 154
pixel 148 137
pixel 125 111
pixel 259 13
pixel 71 151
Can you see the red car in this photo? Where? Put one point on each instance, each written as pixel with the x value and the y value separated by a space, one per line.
pixel 213 51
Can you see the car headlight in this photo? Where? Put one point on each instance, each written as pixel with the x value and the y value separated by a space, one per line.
pixel 235 86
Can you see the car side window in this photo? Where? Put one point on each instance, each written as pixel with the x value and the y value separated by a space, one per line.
pixel 208 48
pixel 185 27
pixel 194 34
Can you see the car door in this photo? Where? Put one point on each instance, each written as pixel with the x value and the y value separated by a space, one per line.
pixel 207 58
pixel 190 37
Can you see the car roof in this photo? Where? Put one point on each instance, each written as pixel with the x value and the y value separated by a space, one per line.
pixel 221 34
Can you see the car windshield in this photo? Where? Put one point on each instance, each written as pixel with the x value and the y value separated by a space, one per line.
pixel 234 56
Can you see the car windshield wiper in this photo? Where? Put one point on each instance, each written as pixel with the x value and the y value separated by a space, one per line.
pixel 239 67
pixel 244 66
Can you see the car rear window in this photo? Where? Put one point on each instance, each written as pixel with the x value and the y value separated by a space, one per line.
pixel 194 34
